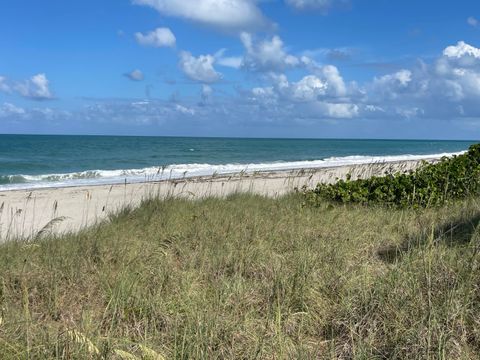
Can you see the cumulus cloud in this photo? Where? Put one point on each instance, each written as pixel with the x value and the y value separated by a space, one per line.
pixel 325 82
pixel 309 88
pixel 199 68
pixel 462 50
pixel 447 88
pixel 322 95
pixel 160 37
pixel 303 99
pixel 336 85
pixel 458 71
pixel 37 88
pixel 229 15
pixel 264 96
pixel 392 85
pixel 135 75
pixel 266 55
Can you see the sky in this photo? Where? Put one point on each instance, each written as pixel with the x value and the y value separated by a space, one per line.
pixel 403 69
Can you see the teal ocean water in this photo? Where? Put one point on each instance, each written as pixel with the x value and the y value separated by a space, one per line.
pixel 50 161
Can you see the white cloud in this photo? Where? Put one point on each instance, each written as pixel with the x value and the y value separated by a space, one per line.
pixel 326 82
pixel 460 50
pixel 264 95
pixel 266 55
pixel 8 109
pixel 458 72
pixel 4 87
pixel 322 95
pixel 234 62
pixel 185 110
pixel 472 21
pixel 339 111
pixel 199 68
pixel 229 15
pixel 308 89
pixel 160 37
pixel 136 113
pixel 135 75
pixel 409 112
pixel 320 5
pixel 303 99
pixel 445 89
pixel 390 85
pixel 336 85
pixel 36 88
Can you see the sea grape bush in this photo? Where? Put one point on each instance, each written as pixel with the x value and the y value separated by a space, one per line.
pixel 430 185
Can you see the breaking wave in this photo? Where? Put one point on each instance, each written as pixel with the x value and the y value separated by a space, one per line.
pixel 177 171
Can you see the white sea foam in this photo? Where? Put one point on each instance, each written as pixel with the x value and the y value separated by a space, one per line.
pixel 177 171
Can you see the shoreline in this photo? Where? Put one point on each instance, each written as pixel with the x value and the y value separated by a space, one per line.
pixel 25 212
pixel 175 172
pixel 197 178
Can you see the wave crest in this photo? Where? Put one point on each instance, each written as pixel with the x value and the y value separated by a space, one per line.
pixel 177 171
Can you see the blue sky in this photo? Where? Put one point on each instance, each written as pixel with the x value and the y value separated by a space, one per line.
pixel 255 68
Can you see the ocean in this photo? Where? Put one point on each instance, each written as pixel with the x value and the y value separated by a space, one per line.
pixel 36 161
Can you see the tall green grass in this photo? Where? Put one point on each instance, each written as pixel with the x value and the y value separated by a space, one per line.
pixel 248 277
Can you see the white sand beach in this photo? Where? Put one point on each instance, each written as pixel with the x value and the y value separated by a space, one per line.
pixel 24 213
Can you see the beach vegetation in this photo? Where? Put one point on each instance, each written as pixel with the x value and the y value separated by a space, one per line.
pixel 248 277
pixel 433 184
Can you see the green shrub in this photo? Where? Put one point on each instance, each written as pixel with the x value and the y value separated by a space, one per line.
pixel 431 185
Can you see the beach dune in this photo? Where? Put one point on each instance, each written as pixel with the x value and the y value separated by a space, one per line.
pixel 29 214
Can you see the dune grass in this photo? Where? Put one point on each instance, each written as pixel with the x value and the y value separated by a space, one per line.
pixel 248 277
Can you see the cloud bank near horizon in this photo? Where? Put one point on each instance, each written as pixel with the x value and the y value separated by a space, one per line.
pixel 263 81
